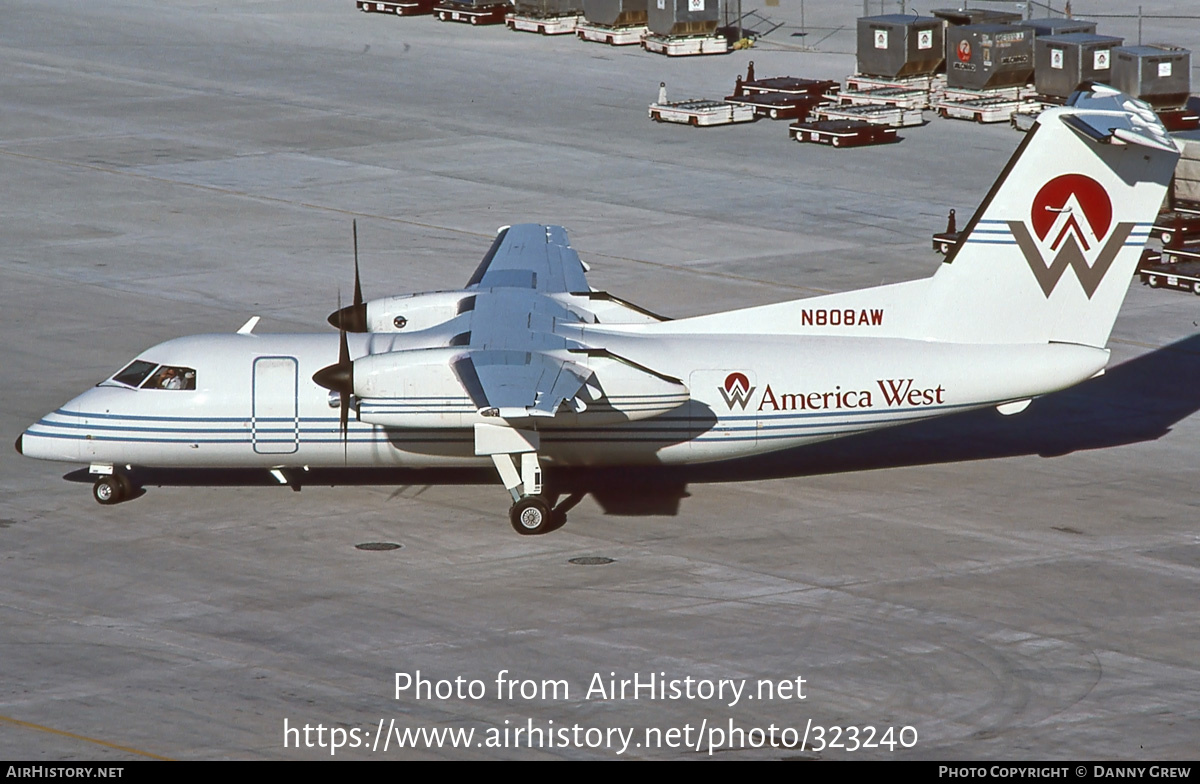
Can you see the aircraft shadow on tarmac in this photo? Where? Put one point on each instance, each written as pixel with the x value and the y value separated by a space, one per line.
pixel 1139 400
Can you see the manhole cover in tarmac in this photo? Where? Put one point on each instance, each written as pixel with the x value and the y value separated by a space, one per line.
pixel 378 546
pixel 591 560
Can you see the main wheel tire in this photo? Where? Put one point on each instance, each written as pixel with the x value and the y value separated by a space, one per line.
pixel 530 516
pixel 109 490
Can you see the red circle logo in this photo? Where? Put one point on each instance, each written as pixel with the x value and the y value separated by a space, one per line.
pixel 1062 195
pixel 964 51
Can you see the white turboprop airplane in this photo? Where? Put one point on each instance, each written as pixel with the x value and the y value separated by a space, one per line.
pixel 527 364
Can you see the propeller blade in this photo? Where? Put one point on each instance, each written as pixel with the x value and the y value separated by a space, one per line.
pixel 352 318
pixel 358 299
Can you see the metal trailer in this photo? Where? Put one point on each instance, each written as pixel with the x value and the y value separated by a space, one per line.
pixel 1057 26
pixel 788 85
pixel 1159 74
pixel 685 46
pixel 407 8
pixel 613 36
pixel 981 110
pixel 986 56
pixel 894 116
pixel 843 133
pixel 777 106
pixel 895 46
pixel 1062 62
pixel 1180 274
pixel 1177 228
pixel 1175 120
pixel 483 13
pixel 699 112
pixel 543 25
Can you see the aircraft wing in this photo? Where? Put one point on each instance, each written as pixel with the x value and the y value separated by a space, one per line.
pixel 519 384
pixel 531 256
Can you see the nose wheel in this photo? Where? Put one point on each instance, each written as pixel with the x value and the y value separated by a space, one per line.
pixel 112 489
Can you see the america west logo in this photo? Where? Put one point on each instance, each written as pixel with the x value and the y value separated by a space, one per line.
pixel 737 390
pixel 1072 220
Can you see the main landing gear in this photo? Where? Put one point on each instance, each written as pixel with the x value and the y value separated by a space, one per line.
pixel 514 453
pixel 112 489
pixel 530 515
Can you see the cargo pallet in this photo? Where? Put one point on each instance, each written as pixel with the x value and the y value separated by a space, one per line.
pixel 613 36
pixel 786 85
pixel 701 112
pixel 981 110
pixel 893 116
pixel 935 83
pixel 476 15
pixel 410 8
pixel 685 46
pixel 903 97
pixel 543 25
pixel 843 133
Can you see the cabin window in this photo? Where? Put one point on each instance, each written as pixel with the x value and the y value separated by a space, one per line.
pixel 134 373
pixel 172 377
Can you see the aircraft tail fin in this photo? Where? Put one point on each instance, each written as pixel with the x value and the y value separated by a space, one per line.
pixel 1049 255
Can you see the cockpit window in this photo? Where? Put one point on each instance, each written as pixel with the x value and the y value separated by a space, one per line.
pixel 135 373
pixel 169 377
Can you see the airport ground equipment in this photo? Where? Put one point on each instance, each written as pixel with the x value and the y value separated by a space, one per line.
pixel 1057 26
pixel 1177 228
pixel 685 45
pixel 984 106
pixel 681 28
pixel 543 25
pixel 613 22
pixel 407 8
pixel 776 106
pixel 613 36
pixel 1172 269
pixel 954 17
pixel 482 13
pixel 843 133
pixel 789 85
pixel 1063 62
pixel 988 56
pixel 782 97
pixel 893 116
pixel 895 46
pixel 944 241
pixel 546 17
pixel 886 96
pixel 700 112
pixel 1160 75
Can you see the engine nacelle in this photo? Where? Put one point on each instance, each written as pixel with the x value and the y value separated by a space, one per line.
pixel 415 312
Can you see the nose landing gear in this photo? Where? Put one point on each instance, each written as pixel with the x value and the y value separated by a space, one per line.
pixel 112 489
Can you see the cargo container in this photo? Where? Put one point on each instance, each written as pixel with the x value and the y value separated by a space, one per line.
pixel 615 13
pixel 970 16
pixel 986 56
pixel 1042 27
pixel 677 18
pixel 1159 74
pixel 1062 62
pixel 895 46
